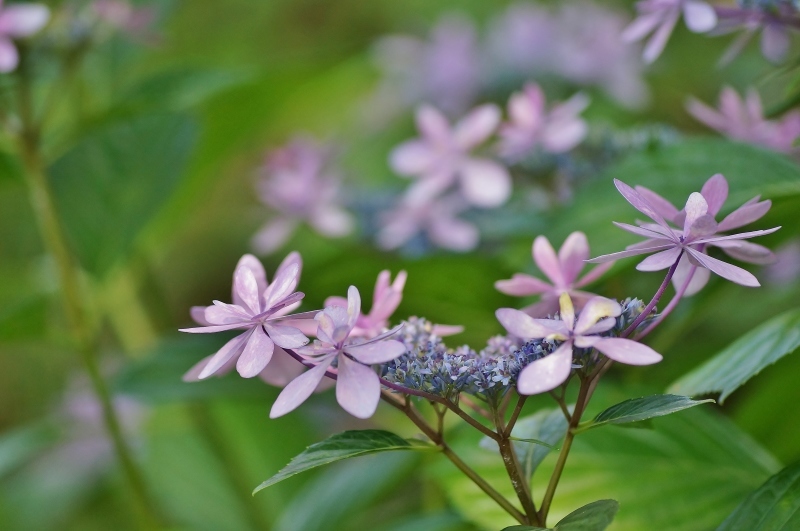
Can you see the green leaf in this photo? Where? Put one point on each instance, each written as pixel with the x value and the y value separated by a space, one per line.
pixel 595 516
pixel 115 180
pixel 744 358
pixel 775 506
pixel 525 528
pixel 344 445
pixel 638 409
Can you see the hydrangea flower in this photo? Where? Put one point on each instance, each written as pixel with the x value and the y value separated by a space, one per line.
pixel 562 270
pixel 670 244
pixel 442 156
pixel 257 308
pixel 743 119
pixel 19 20
pixel 296 183
pixel 715 192
pixel 659 18
pixel 530 125
pixel 358 387
pixel 122 15
pixel 597 316
pixel 774 19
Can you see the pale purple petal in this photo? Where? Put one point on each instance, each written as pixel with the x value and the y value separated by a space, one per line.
pixel 747 213
pixel 521 285
pixel 695 208
pixel 446 330
pixel 282 286
pixel 282 369
pixel 193 374
pixel 574 251
pixel 246 289
pixel 545 257
pixel 659 261
pixel 216 328
pixel 336 301
pixel 707 115
pixel 317 349
pixel 220 313
pixel 248 261
pixel 547 373
pixel 332 221
pixel 740 236
pixel 376 352
pixel 432 124
pixel 596 309
pixel 299 389
pixel 454 234
pixel 198 314
pixel 702 227
pixel 230 350
pixel 562 136
pixel 484 182
pixel 358 389
pixel 640 203
pixel 415 157
pixel 273 235
pixel 715 191
pixel 666 209
pixel 725 270
pixel 594 274
pixel 625 350
pixel 641 26
pixel 477 126
pixel 547 306
pixel 256 355
pixel 775 42
pixel 699 16
pixel 746 251
pixel 286 336
pixel 385 335
pixel 9 57
pixel 699 277
pixel 603 325
pixel 646 231
pixel 21 20
pixel 630 252
pixel 353 307
pixel 526 327
pixel 658 41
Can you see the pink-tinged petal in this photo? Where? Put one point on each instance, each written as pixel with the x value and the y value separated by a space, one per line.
pixel 333 324
pixel 740 236
pixel 454 234
pixel 699 16
pixel 596 309
pixel 594 274
pixel 646 232
pixel 376 352
pixel 216 328
pixel 220 313
pixel 446 330
pixel 747 213
pixel 282 286
pixel 775 42
pixel 353 307
pixel 659 261
pixel 21 20
pixel 332 221
pixel 246 289
pixel 640 203
pixel 647 244
pixel 699 278
pixel 422 193
pixel 484 183
pixel 229 351
pixel 695 208
pixel 706 115
pixel 385 335
pixel 282 369
pixel 630 252
pixel 626 351
pixel 715 192
pixel 641 26
pixel 477 126
pixel 307 326
pixel 526 327
pixel 545 257
pixel 603 325
pixel 358 389
pixel 415 157
pixel 562 136
pixel 433 125
pixel 248 261
pixel 574 251
pixel 286 336
pixel 283 307
pixel 9 57
pixel 666 209
pixel 317 349
pixel 725 270
pixel 256 355
pixel 658 41
pixel 747 251
pixel 193 374
pixel 521 285
pixel 387 298
pixel 547 373
pixel 273 235
pixel 336 301
pixel 544 308
pixel 299 389
pixel 381 286
pixel 198 314
pixel 526 109
pixel 702 227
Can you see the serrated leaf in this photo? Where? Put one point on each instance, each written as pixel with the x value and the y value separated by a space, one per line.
pixel 345 445
pixel 744 358
pixel 595 516
pixel 639 409
pixel 775 506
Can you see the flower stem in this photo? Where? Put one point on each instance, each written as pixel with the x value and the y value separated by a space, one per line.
pixel 669 307
pixel 657 297
pixel 510 461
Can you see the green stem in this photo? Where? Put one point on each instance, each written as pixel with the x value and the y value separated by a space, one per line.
pixel 511 463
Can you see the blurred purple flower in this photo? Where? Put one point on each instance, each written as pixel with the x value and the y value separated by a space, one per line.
pixel 743 119
pixel 522 38
pixel 442 156
pixel 659 18
pixel 597 316
pixel 699 229
pixel 530 125
pixel 715 192
pixel 297 185
pixel 775 21
pixel 257 308
pixel 786 268
pixel 358 387
pixel 120 14
pixel 561 269
pixel 18 20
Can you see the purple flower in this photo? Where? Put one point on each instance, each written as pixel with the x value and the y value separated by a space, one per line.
pixel 257 308
pixel 442 156
pixel 774 21
pixel 561 269
pixel 296 183
pixel 699 229
pixel 17 21
pixel 597 316
pixel 122 15
pixel 743 119
pixel 659 18
pixel 531 125
pixel 358 387
pixel 715 192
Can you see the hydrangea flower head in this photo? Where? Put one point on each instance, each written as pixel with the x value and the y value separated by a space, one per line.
pixel 358 387
pixel 257 308
pixel 562 270
pixel 597 316
pixel 775 19
pixel 442 156
pixel 19 20
pixel 385 300
pixel 659 18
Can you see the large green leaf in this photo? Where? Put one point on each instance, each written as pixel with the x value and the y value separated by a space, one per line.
pixel 595 516
pixel 115 180
pixel 638 409
pixel 744 358
pixel 344 445
pixel 775 506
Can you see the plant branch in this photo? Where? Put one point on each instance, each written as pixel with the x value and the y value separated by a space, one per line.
pixel 652 304
pixel 514 471
pixel 670 306
pixel 514 415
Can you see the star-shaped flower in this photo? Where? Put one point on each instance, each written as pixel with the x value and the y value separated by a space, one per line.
pixel 597 316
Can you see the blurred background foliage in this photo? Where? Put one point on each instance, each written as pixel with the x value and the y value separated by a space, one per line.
pixel 153 153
